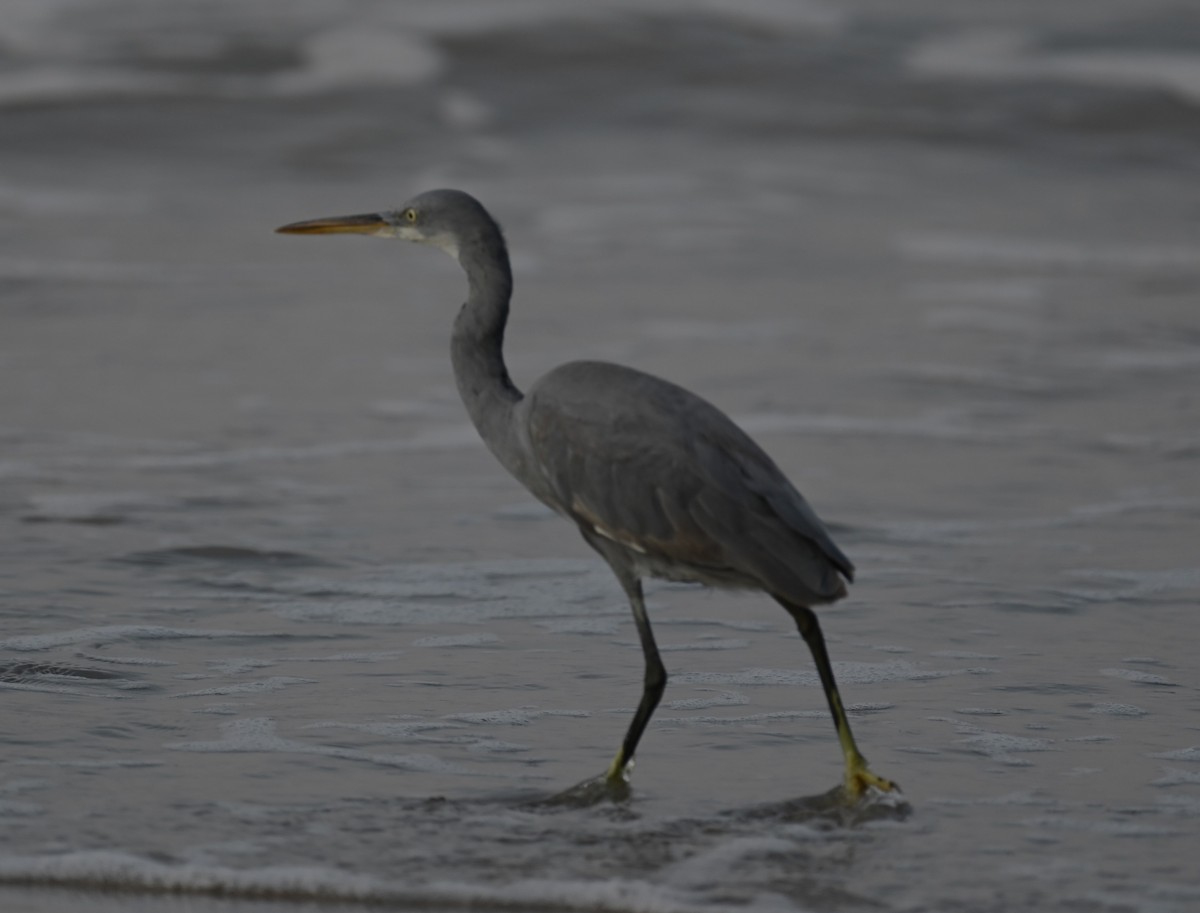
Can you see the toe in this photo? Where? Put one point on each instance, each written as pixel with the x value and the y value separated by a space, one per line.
pixel 859 780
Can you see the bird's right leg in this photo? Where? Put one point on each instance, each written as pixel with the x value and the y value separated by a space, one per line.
pixel 859 777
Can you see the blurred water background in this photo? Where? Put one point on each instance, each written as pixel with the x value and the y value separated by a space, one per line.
pixel 278 634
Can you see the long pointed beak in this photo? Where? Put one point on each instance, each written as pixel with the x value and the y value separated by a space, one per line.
pixel 367 224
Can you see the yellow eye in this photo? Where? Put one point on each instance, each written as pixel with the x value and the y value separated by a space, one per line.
pixel 410 215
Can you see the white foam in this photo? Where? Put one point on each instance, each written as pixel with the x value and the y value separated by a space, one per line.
pixel 711 865
pixel 983 319
pixel 934 425
pixel 78 82
pixel 238 666
pixel 90 506
pixel 516 716
pixel 111 870
pixel 258 734
pixel 582 625
pixel 962 376
pixel 489 15
pixel 742 330
pixel 1139 360
pixel 1007 800
pixel 1010 55
pixel 1175 777
pixel 1118 585
pixel 454 593
pixel 1180 754
pixel 464 111
pixel 43 688
pixel 1026 252
pixel 108 869
pixel 261 686
pixel 481 639
pixel 1108 709
pixel 723 699
pixel 859 673
pixel 112 633
pixel 1162 444
pixel 126 660
pixel 773 716
pixel 1061 822
pixel 392 730
pixel 1000 746
pixel 1136 675
pixel 361 54
pixel 368 656
pixel 729 643
pixel 1136 503
pixel 91 764
pixel 994 291
pixel 56 54
pixel 454 437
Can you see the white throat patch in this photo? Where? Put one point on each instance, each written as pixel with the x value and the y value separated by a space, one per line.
pixel 446 242
pixel 443 240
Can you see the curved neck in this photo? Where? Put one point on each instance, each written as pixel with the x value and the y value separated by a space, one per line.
pixel 476 346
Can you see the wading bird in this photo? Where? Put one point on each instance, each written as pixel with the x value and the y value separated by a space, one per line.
pixel 660 482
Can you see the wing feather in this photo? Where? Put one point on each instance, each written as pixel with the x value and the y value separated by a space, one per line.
pixel 660 470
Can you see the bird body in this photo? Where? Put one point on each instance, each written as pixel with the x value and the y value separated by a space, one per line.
pixel 666 475
pixel 659 481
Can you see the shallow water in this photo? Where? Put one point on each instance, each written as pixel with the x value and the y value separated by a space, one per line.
pixel 276 628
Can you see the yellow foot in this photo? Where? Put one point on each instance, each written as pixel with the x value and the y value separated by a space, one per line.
pixel 619 771
pixel 594 791
pixel 859 780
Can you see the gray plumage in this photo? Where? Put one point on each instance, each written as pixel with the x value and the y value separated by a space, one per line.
pixel 659 481
pixel 684 490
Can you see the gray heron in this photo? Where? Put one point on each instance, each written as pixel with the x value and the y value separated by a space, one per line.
pixel 658 481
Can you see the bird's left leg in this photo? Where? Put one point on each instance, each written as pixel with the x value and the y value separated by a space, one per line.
pixel 654 683
pixel 859 777
pixel 613 784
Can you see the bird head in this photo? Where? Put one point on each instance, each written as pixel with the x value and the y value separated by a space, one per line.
pixel 446 219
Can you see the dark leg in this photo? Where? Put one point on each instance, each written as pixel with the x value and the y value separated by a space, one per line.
pixel 858 776
pixel 653 685
pixel 654 682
